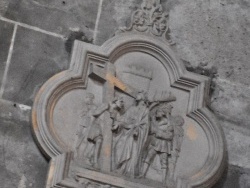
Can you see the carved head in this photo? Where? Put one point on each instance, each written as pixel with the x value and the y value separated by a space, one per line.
pixel 89 98
pixel 159 113
pixel 141 96
pixel 119 103
pixel 167 109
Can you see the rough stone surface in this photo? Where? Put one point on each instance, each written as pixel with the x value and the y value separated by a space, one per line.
pixel 6 30
pixel 36 57
pixel 231 101
pixel 238 144
pixel 216 32
pixel 213 32
pixel 58 16
pixel 22 165
pixel 115 14
pixel 234 177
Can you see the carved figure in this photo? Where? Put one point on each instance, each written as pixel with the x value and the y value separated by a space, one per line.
pixel 89 135
pixel 167 135
pixel 178 123
pixel 84 124
pixel 115 109
pixel 161 144
pixel 145 132
pixel 134 126
pixel 91 130
pixel 94 139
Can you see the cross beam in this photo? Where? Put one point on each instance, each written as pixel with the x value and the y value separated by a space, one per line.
pixel 100 74
pixel 107 76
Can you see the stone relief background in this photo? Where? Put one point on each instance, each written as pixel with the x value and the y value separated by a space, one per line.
pixel 36 37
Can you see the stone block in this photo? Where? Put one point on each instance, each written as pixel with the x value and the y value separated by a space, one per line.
pixel 238 144
pixel 58 16
pixel 14 112
pixel 231 101
pixel 6 30
pixel 36 57
pixel 214 32
pixel 22 165
pixel 235 177
pixel 115 14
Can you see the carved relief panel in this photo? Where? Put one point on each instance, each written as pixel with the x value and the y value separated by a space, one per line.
pixel 128 114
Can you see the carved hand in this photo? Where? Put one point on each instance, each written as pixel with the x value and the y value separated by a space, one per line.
pixel 115 127
pixel 164 135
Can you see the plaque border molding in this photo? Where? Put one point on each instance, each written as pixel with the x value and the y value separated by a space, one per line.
pixel 76 78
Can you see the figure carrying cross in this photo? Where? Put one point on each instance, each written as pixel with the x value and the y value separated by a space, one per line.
pixel 107 75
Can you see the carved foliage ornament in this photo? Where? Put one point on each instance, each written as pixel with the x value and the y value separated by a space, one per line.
pixel 150 18
pixel 128 114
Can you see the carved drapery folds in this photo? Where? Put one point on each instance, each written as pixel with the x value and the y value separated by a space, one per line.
pixel 141 132
pixel 128 114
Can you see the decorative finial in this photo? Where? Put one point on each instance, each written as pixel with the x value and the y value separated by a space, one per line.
pixel 150 18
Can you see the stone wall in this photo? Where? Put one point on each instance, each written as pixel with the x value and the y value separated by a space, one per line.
pixel 212 37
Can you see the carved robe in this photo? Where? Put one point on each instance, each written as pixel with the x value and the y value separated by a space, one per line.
pixel 84 124
pixel 90 130
pixel 131 141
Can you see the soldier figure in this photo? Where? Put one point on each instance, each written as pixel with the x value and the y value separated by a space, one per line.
pixel 161 144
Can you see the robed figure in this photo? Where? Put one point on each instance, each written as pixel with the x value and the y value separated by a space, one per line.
pixel 85 121
pixel 129 144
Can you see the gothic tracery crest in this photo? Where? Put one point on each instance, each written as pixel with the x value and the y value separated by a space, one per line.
pixel 150 18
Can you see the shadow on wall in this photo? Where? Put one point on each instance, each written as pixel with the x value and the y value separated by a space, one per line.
pixel 76 35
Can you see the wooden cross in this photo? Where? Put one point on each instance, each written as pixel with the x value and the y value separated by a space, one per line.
pixel 107 76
